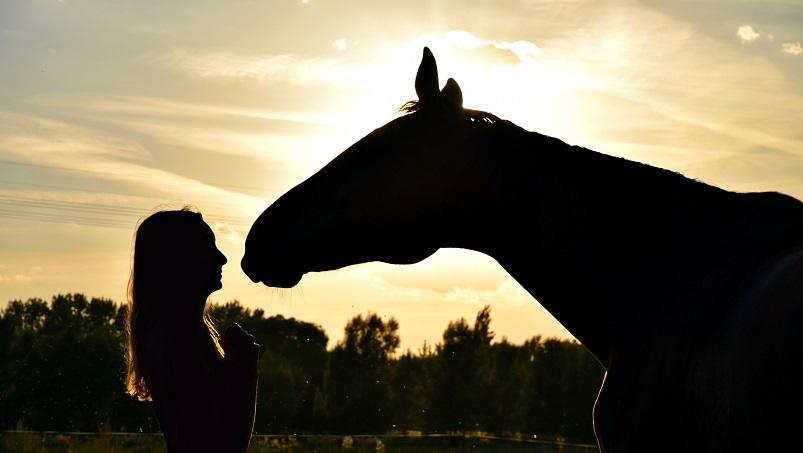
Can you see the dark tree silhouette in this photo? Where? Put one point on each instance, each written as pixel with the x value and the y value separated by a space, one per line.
pixel 463 376
pixel 510 372
pixel 359 375
pixel 65 365
pixel 291 367
pixel 411 385
pixel 62 368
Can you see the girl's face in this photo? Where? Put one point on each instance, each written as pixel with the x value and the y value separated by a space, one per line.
pixel 205 262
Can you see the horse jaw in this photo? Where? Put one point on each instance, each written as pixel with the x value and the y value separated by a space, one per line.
pixel 287 276
pixel 405 257
pixel 282 279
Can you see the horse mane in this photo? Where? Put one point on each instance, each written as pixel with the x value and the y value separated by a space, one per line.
pixel 475 116
pixel 488 122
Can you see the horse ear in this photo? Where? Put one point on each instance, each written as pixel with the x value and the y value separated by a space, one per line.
pixel 426 81
pixel 451 95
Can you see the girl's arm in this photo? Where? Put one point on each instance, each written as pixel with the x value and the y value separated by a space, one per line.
pixel 239 386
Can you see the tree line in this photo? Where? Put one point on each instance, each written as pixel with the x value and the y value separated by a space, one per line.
pixel 62 368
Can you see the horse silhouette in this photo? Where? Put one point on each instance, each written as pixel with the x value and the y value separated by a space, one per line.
pixel 689 295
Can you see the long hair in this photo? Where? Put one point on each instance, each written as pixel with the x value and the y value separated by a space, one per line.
pixel 161 250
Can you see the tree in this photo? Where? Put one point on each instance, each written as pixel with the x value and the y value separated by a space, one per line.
pixel 358 391
pixel 463 377
pixel 510 379
pixel 299 348
pixel 410 389
pixel 62 368
pixel 291 367
pixel 68 353
pixel 563 382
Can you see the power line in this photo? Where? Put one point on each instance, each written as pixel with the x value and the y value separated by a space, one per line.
pixel 60 219
pixel 93 214
pixel 88 213
pixel 91 207
pixel 55 167
pixel 104 192
pixel 143 211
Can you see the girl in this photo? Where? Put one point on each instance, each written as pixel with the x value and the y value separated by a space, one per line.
pixel 203 389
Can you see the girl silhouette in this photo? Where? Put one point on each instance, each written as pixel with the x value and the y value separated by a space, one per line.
pixel 203 389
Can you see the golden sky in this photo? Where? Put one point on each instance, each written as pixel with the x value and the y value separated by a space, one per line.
pixel 109 109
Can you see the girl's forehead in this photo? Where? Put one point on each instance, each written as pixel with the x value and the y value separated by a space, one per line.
pixel 206 228
pixel 206 231
pixel 200 232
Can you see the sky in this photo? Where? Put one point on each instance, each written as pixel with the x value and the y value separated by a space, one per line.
pixel 110 110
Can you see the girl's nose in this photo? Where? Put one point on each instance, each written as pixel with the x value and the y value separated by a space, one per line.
pixel 222 258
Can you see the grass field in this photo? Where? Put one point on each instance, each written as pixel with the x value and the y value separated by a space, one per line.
pixel 46 442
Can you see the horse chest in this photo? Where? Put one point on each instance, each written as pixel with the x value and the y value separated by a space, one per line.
pixel 733 385
pixel 645 398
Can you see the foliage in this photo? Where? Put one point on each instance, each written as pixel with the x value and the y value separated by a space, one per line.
pixel 359 375
pixel 291 367
pixel 70 352
pixel 62 368
pixel 463 377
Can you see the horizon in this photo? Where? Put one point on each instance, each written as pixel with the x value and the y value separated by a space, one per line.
pixel 332 342
pixel 112 111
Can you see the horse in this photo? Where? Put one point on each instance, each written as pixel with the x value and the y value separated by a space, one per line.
pixel 689 295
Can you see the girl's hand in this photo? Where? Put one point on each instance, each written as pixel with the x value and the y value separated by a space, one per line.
pixel 239 345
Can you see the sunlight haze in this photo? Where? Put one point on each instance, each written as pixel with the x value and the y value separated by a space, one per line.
pixel 112 109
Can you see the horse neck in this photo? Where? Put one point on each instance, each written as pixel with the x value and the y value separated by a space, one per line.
pixel 593 238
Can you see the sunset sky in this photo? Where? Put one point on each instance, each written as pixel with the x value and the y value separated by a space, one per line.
pixel 109 109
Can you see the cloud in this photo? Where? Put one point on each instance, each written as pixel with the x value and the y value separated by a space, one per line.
pixel 747 34
pixel 296 70
pixel 331 71
pixel 263 150
pixel 16 278
pixel 340 44
pixel 162 108
pixel 38 137
pixel 65 148
pixel 792 48
pixel 525 51
pixel 226 232
pixel 339 70
pixel 510 293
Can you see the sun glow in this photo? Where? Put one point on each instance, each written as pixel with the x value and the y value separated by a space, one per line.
pixel 509 79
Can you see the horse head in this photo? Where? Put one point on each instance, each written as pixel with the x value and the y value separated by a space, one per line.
pixel 394 196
